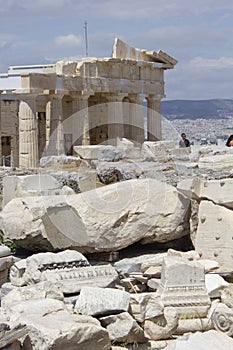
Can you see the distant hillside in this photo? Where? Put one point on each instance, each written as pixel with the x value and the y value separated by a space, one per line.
pixel 192 109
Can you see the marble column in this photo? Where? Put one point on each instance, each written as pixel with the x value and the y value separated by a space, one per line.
pixel 154 123
pixel 80 121
pixel 115 118
pixel 28 132
pixel 137 118
pixel 54 128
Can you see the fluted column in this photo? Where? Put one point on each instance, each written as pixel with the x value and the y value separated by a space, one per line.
pixel 154 123
pixel 54 129
pixel 28 132
pixel 137 118
pixel 115 118
pixel 81 127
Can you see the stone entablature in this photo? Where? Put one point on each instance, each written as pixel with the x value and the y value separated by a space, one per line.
pixel 68 270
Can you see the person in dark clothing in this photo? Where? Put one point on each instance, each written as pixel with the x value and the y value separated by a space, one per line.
pixel 229 142
pixel 184 142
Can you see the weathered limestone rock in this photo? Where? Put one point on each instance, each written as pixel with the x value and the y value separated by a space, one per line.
pixel 87 152
pixel 138 263
pixel 189 187
pixel 153 271
pixel 208 340
pixel 150 345
pixel 153 284
pixel 183 287
pixel 180 153
pixel 112 172
pixel 153 261
pixel 69 270
pixel 157 151
pixel 123 328
pixel 216 162
pixel 106 219
pixel 191 255
pixel 162 327
pixel 4 251
pixel 102 301
pixel 51 326
pixel 6 261
pixel 109 154
pixel 144 306
pixel 81 181
pixel 41 290
pixel 128 149
pixel 214 284
pixel 55 161
pixel 29 185
pixel 9 336
pixel 213 238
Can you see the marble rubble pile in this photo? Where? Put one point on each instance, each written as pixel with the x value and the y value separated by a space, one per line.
pixel 60 300
pixel 162 300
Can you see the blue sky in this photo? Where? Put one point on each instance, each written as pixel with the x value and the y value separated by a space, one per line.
pixel 198 34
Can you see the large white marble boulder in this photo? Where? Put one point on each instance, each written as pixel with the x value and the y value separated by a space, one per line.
pixel 105 219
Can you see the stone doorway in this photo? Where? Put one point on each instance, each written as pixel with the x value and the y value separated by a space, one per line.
pixel 41 133
pixel 6 150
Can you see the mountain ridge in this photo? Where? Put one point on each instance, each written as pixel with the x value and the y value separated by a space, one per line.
pixel 193 109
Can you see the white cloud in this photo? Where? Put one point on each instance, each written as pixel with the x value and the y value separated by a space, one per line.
pixel 200 78
pixel 120 9
pixel 219 63
pixel 70 40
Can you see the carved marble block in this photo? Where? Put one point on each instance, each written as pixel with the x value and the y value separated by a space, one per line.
pixel 183 287
pixel 213 239
pixel 68 269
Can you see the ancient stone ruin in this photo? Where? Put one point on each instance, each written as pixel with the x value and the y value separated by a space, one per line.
pixel 114 239
pixel 90 102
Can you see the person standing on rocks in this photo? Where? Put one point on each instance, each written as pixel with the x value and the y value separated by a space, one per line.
pixel 184 142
